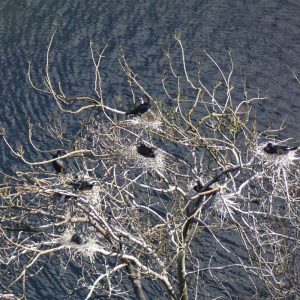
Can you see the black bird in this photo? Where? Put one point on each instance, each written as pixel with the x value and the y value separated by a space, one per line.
pixel 198 200
pixel 139 109
pixel 58 164
pixel 146 151
pixel 198 187
pixel 82 185
pixel 277 149
pixel 78 239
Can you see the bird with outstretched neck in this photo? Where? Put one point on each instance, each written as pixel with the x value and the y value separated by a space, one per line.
pixel 140 108
pixel 271 148
pixel 58 164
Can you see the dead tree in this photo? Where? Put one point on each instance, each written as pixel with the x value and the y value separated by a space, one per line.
pixel 137 194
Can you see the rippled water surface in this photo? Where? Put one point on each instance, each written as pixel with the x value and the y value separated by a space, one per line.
pixel 263 36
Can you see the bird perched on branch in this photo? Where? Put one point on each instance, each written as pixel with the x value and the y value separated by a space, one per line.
pixel 82 185
pixel 277 149
pixel 146 151
pixel 58 164
pixel 198 194
pixel 198 187
pixel 139 109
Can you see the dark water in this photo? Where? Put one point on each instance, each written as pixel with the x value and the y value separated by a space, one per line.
pixel 263 36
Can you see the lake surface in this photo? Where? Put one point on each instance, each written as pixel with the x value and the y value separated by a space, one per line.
pixel 263 36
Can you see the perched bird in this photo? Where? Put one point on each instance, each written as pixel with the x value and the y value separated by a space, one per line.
pixel 277 149
pixel 140 109
pixel 199 199
pixel 58 164
pixel 82 185
pixel 145 150
pixel 78 239
pixel 195 189
pixel 198 187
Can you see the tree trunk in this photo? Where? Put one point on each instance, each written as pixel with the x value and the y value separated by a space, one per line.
pixel 136 279
pixel 183 294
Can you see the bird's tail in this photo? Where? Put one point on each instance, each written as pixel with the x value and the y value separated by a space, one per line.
pixel 294 148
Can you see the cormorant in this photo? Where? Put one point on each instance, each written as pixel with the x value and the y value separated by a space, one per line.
pixel 82 185
pixel 198 187
pixel 78 239
pixel 277 149
pixel 58 164
pixel 145 150
pixel 139 109
pixel 198 200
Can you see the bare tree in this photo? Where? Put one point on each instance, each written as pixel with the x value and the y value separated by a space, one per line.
pixel 136 194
